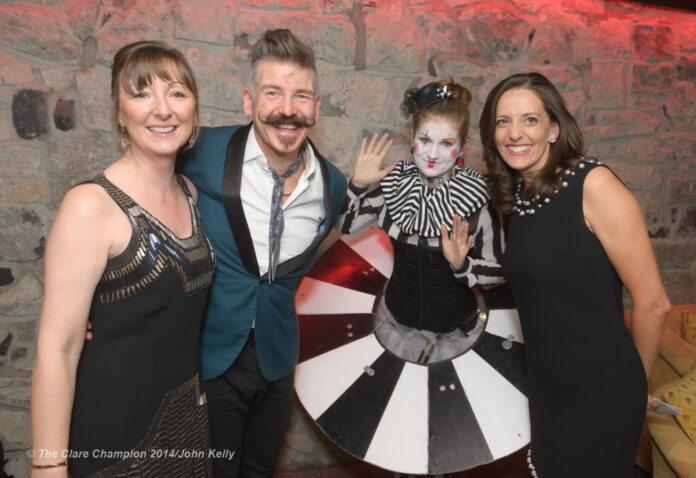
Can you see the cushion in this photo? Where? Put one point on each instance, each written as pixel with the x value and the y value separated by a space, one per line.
pixel 680 355
pixel 683 395
pixel 689 326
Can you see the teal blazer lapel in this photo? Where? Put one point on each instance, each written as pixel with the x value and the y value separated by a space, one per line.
pixel 231 186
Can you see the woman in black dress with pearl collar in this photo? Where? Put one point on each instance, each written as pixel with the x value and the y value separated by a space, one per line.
pixel 576 237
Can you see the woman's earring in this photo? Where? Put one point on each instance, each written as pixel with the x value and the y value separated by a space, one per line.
pixel 552 140
pixel 123 133
pixel 192 139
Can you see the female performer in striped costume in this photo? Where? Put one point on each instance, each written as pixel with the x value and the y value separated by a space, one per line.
pixel 445 238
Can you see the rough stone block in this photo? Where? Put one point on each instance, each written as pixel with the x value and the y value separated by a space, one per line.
pixel 680 106
pixel 673 255
pixel 19 360
pixel 13 70
pixel 686 67
pixel 94 88
pixel 23 190
pixel 650 206
pixel 15 397
pixel 494 34
pixel 654 42
pixel 353 94
pixel 17 465
pixel 687 32
pixel 636 175
pixel 21 159
pixel 22 298
pixel 30 113
pixel 22 232
pixel 335 42
pixel 625 123
pixel 680 286
pixel 683 191
pixel 5 130
pixel 222 118
pixel 635 148
pixel 39 31
pixel 76 159
pixel 254 23
pixel 559 40
pixel 607 83
pixel 609 37
pixel 64 115
pixel 80 15
pixel 334 7
pixel 584 7
pixel 679 150
pixel 339 140
pixel 210 21
pixel 565 79
pixel 58 79
pixel 392 110
pixel 650 78
pixel 303 5
pixel 136 20
pixel 219 77
pixel 393 44
pixel 645 103
pixel 15 433
pixel 577 105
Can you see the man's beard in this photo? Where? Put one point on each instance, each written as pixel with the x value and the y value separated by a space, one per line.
pixel 283 120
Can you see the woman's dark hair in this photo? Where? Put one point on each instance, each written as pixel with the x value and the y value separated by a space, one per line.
pixel 564 153
pixel 443 99
pixel 136 65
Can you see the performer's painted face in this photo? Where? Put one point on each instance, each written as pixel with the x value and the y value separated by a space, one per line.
pixel 436 146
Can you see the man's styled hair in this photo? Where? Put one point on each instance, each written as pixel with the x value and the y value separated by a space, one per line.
pixel 282 45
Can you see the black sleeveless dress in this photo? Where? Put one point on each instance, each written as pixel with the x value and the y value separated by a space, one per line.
pixel 137 409
pixel 586 383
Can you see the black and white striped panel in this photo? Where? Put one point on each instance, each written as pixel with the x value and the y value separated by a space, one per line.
pixel 401 416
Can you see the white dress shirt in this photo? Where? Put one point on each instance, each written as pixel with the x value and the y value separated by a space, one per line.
pixel 303 211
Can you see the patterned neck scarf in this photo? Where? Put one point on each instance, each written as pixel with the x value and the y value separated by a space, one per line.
pixel 275 229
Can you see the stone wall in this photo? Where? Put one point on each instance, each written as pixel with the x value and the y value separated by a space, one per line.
pixel 627 71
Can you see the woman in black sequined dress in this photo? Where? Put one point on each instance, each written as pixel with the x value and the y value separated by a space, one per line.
pixel 576 238
pixel 127 252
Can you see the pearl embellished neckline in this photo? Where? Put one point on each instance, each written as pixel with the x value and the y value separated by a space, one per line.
pixel 530 207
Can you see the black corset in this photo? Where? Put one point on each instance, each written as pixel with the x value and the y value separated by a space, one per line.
pixel 423 293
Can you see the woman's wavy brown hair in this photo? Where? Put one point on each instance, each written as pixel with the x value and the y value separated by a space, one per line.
pixel 564 153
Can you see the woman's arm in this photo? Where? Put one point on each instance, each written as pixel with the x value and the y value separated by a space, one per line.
pixel 614 215
pixel 362 206
pixel 76 254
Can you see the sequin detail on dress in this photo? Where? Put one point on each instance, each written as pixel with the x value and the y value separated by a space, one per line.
pixel 152 249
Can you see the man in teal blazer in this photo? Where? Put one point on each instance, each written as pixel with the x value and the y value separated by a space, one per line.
pixel 250 336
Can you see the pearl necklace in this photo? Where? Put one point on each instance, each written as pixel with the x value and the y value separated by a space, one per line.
pixel 524 207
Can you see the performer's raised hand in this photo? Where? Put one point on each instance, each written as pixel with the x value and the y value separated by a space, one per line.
pixel 368 166
pixel 456 244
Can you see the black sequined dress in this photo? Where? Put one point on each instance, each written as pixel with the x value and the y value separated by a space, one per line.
pixel 585 381
pixel 137 410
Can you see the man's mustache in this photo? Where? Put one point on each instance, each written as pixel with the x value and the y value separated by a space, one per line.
pixel 292 120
